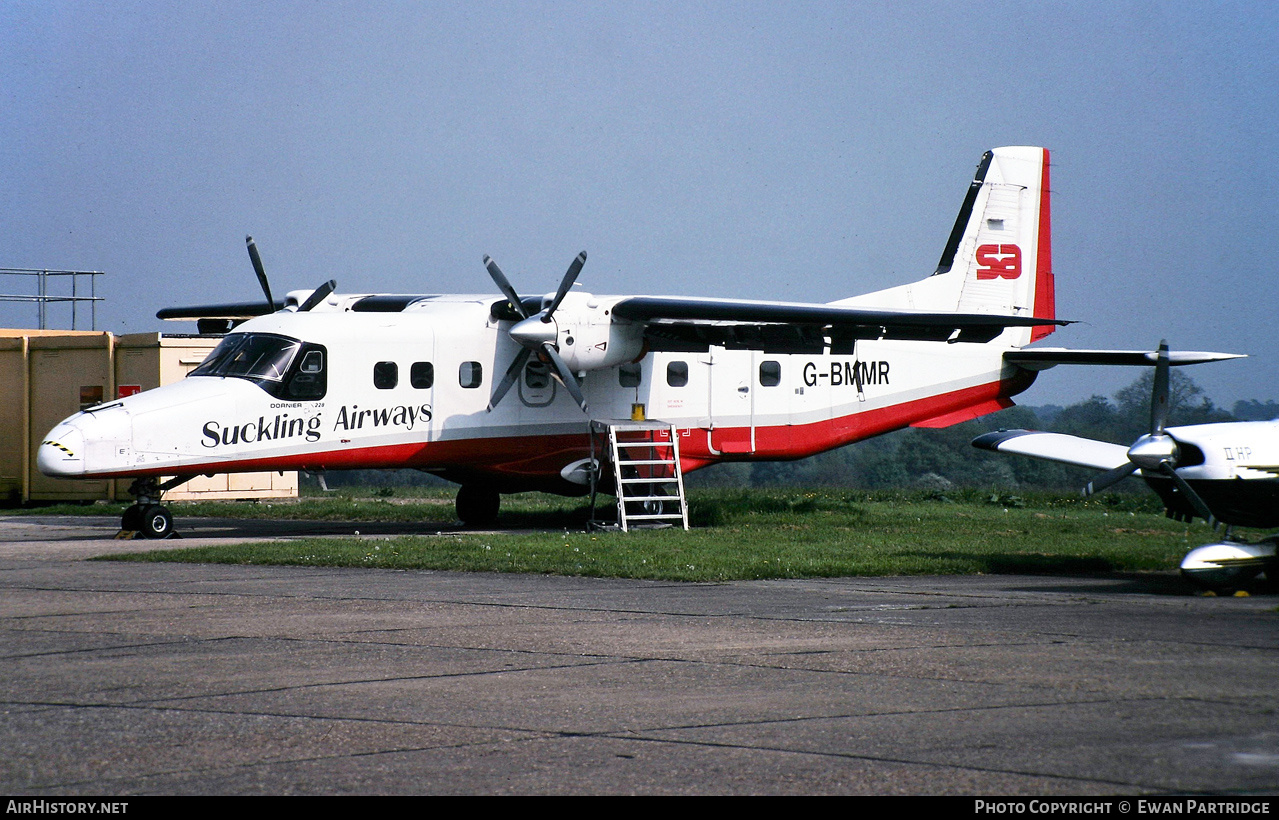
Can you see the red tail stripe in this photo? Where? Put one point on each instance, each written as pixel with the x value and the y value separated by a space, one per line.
pixel 1045 291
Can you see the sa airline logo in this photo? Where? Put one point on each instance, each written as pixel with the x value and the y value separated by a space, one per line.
pixel 998 262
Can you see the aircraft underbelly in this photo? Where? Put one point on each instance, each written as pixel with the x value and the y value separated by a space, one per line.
pixel 1239 502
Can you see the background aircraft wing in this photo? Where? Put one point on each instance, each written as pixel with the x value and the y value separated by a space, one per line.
pixel 687 324
pixel 1081 452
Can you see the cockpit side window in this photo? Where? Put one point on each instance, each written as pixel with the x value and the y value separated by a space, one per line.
pixel 307 380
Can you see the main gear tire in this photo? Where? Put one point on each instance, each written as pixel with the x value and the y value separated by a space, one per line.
pixel 477 505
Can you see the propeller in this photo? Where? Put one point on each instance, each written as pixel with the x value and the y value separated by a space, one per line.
pixel 537 333
pixel 259 270
pixel 1156 451
pixel 317 296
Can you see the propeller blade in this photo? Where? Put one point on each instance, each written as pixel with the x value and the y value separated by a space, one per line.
pixel 570 276
pixel 505 286
pixel 512 373
pixel 566 375
pixel 259 270
pixel 1110 477
pixel 318 295
pixel 1193 497
pixel 1159 394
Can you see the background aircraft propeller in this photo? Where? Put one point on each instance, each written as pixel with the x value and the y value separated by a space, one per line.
pixel 1156 451
pixel 537 333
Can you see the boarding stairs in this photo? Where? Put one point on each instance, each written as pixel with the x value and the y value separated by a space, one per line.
pixel 642 460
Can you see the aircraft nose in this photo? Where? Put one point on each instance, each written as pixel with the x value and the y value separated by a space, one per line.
pixel 61 455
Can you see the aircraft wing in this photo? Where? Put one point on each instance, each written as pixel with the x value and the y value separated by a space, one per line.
pixel 688 324
pixel 234 310
pixel 1081 452
pixel 1046 357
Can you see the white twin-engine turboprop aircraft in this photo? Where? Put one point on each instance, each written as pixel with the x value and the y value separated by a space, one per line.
pixel 495 393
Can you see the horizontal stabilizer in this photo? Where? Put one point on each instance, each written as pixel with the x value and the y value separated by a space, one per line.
pixel 1059 447
pixel 1046 357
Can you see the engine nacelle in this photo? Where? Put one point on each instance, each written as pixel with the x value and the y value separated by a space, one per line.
pixel 589 339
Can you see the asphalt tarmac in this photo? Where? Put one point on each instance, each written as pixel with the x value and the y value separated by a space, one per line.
pixel 133 679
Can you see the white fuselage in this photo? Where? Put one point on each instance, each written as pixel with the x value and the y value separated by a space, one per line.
pixel 725 404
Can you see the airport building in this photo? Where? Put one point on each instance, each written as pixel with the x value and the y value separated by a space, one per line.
pixel 51 374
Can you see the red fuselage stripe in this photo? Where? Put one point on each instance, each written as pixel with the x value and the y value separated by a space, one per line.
pixel 537 459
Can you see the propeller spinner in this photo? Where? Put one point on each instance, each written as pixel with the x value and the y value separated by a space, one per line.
pixel 537 333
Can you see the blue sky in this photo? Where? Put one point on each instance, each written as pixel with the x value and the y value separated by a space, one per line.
pixel 799 151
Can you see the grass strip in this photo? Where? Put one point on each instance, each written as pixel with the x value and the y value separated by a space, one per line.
pixel 756 534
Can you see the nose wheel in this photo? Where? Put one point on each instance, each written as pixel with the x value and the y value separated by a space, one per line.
pixel 148 520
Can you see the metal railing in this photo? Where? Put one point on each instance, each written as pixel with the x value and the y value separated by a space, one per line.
pixel 43 298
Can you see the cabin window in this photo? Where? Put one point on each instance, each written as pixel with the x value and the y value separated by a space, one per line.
pixel 677 374
pixel 470 374
pixel 537 376
pixel 628 375
pixel 770 374
pixel 422 375
pixel 386 375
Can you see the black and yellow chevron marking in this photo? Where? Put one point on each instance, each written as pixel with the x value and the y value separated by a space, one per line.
pixel 59 446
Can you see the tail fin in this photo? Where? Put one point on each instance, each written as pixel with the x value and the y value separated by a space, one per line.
pixel 998 258
pixel 1001 246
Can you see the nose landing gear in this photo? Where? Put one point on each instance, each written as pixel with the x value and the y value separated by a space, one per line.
pixel 147 517
pixel 148 521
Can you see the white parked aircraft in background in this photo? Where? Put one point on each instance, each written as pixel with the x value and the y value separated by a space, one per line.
pixel 495 393
pixel 1224 472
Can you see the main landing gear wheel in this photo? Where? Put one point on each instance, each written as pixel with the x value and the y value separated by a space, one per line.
pixel 477 505
pixel 152 520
